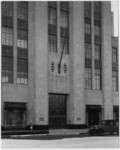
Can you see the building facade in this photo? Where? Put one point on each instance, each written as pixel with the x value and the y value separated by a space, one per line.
pixel 59 64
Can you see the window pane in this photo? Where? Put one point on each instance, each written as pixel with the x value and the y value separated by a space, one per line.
pixel 97 28
pixel 87 9
pixel 97 7
pixel 64 18
pixel 7 36
pixel 88 78
pixel 64 43
pixel 22 69
pixel 114 55
pixel 87 5
pixel 87 50
pixel 97 79
pixel 22 10
pixel 97 52
pixel 7 8
pixel 115 80
pixel 97 31
pixel 87 28
pixel 52 14
pixel 52 42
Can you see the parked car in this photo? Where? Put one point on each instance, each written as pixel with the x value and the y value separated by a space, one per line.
pixel 106 126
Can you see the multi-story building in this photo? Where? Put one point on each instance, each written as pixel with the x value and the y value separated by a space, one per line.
pixel 59 64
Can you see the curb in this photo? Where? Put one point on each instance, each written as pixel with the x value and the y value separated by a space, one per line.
pixel 54 134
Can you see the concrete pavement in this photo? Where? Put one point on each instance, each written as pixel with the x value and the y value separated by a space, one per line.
pixel 55 132
pixel 67 131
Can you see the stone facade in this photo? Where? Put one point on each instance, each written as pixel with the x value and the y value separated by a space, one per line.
pixel 42 81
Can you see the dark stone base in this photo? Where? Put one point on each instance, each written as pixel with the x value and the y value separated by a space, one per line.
pixel 38 127
pixel 12 128
pixel 34 127
pixel 76 126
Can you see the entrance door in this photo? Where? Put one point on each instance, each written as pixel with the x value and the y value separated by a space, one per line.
pixel 93 114
pixel 93 117
pixel 14 114
pixel 57 111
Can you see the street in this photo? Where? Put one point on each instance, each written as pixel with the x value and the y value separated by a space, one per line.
pixel 73 142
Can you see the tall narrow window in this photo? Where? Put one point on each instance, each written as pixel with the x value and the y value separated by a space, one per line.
pixel 97 28
pixel 97 52
pixel 52 26
pixel 22 43
pixel 64 43
pixel 97 7
pixel 114 55
pixel 64 24
pixel 52 41
pixel 87 8
pixel 64 18
pixel 87 26
pixel 115 80
pixel 88 50
pixel 7 42
pixel 88 78
pixel 97 80
pixel 52 16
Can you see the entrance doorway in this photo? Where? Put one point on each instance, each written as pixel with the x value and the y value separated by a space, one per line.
pixel 14 114
pixel 116 113
pixel 93 113
pixel 57 111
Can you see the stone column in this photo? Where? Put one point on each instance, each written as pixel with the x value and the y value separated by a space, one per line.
pixel 15 43
pixel 77 52
pixel 31 115
pixel 107 60
pixel 41 64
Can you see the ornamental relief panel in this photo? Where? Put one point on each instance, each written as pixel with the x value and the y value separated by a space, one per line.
pixel 58 83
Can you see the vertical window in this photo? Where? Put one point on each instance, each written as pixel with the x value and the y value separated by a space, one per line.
pixel 52 16
pixel 52 26
pixel 97 52
pixel 64 44
pixel 97 7
pixel 115 80
pixel 22 66
pixel 97 28
pixel 22 43
pixel 114 55
pixel 87 26
pixel 7 64
pixel 22 12
pixel 52 42
pixel 87 7
pixel 64 18
pixel 88 78
pixel 88 50
pixel 7 42
pixel 64 24
pixel 97 80
pixel 7 36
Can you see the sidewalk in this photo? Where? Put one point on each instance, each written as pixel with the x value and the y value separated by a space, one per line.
pixel 54 132
pixel 67 131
